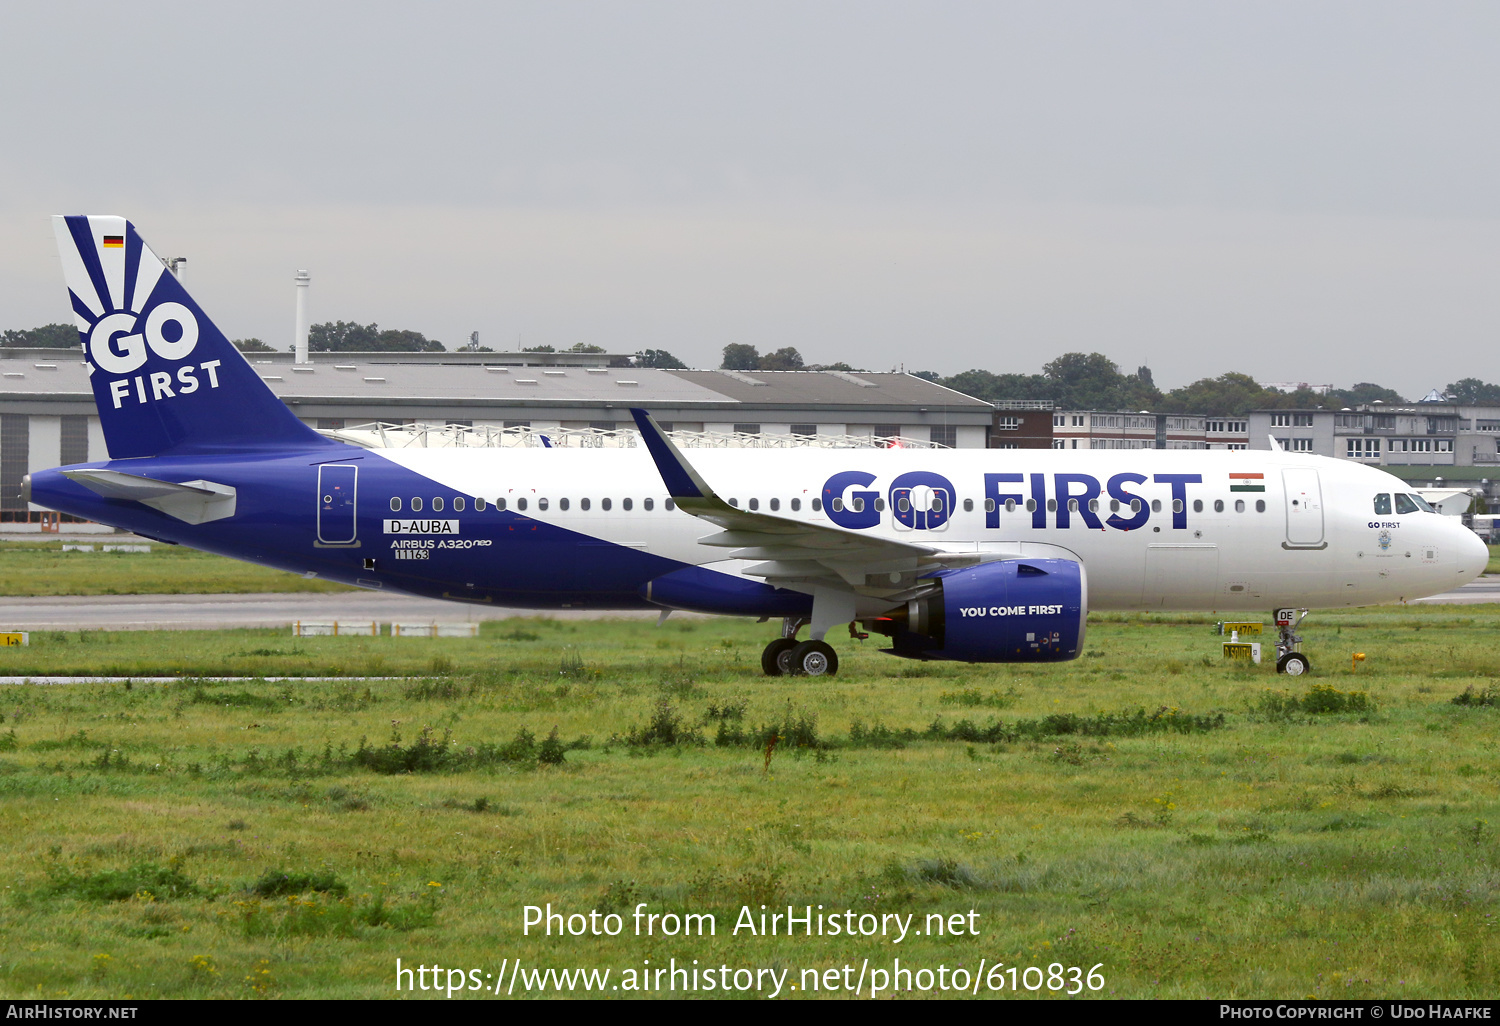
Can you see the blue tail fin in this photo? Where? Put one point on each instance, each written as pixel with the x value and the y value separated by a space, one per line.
pixel 165 379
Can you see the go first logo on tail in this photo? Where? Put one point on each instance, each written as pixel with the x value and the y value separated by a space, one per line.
pixel 123 301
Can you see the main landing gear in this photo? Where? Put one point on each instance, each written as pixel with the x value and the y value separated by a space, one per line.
pixel 1289 657
pixel 787 657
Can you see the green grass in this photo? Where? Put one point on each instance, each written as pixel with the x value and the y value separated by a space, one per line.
pixel 1199 828
pixel 1493 567
pixel 43 569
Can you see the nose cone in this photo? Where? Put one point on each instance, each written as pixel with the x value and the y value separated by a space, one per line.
pixel 1473 554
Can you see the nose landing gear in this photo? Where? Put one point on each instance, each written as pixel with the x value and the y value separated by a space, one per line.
pixel 787 657
pixel 1289 657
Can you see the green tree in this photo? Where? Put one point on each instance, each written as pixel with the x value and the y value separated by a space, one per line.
pixel 538 349
pixel 992 387
pixel 658 358
pixel 585 347
pixel 1473 392
pixel 48 336
pixel 740 357
pixel 785 359
pixel 932 376
pixel 350 337
pixel 1091 381
pixel 1363 392
pixel 1231 394
pixel 252 345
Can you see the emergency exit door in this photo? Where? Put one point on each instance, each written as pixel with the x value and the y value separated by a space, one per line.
pixel 1304 508
pixel 337 485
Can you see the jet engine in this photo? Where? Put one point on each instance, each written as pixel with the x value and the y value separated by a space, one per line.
pixel 1007 611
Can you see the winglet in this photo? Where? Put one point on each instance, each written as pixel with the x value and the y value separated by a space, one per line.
pixel 677 474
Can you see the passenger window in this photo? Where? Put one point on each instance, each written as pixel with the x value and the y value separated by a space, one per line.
pixel 880 505
pixel 649 504
pixel 1072 505
pixel 1156 505
pixel 968 505
pixel 626 504
pixel 604 504
pixel 1031 505
pixel 1197 505
pixel 416 505
pixel 1260 505
pixel 775 505
pixel 937 504
pixel 796 505
pixel 500 505
pixel 1383 504
pixel 458 504
pixel 1051 505
pixel 583 504
pixel 479 504
pixel 1404 503
pixel 1176 505
pixel 437 504
pixel 838 505
pixel 989 505
pixel 817 505
pixel 1010 505
pixel 562 504
pixel 521 503
pixel 541 504
pixel 1239 505
pixel 755 504
pixel 1135 505
pixel 395 505
pixel 735 503
pixel 671 505
pixel 903 505
pixel 1114 505
pixel 1218 505
pixel 1093 505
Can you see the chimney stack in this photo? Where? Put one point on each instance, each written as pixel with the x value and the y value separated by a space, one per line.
pixel 303 279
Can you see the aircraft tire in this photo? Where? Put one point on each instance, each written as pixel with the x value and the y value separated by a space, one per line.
pixel 815 659
pixel 776 660
pixel 1293 664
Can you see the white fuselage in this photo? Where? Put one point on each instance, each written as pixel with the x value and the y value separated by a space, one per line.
pixel 1259 530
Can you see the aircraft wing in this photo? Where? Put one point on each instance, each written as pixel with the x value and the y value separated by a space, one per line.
pixel 193 502
pixel 793 552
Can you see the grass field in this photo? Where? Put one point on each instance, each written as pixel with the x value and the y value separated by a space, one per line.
pixel 1234 838
pixel 43 569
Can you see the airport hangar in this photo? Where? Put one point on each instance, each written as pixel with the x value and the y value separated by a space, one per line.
pixel 47 415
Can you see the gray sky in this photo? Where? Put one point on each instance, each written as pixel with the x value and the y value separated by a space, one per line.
pixel 1303 191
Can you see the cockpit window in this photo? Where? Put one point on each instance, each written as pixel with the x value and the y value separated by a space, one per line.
pixel 1405 504
pixel 1383 504
pixel 1423 504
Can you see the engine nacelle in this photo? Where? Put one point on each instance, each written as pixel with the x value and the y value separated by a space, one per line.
pixel 1008 611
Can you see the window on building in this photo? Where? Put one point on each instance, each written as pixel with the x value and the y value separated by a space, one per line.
pixel 887 430
pixel 747 429
pixel 805 430
pixel 518 423
pixel 460 423
pixel 15 458
pixel 1302 420
pixel 945 435
pixel 1302 445
pixel 75 439
pixel 1281 420
pixel 602 425
pixel 330 423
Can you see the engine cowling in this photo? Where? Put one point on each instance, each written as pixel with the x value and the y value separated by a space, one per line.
pixel 1008 611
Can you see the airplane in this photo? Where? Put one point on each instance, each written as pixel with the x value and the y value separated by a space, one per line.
pixel 992 555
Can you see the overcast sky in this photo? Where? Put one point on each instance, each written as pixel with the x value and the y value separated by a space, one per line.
pixel 1302 191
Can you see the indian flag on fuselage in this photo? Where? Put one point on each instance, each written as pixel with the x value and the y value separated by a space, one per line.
pixel 1247 482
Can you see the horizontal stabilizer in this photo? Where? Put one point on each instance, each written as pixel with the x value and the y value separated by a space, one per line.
pixel 192 502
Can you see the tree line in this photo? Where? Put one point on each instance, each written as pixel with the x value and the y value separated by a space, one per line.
pixel 1078 381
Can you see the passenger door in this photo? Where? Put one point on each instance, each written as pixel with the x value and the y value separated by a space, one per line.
pixel 337 488
pixel 1304 508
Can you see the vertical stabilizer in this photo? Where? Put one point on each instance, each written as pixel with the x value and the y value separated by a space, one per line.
pixel 165 378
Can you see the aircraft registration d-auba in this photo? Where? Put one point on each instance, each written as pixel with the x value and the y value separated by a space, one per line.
pixel 977 555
